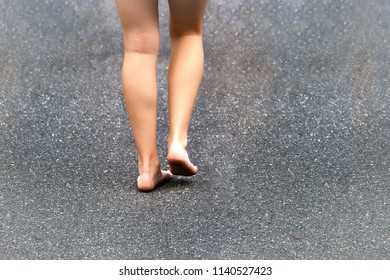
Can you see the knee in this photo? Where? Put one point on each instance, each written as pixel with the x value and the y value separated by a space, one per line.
pixel 142 42
pixel 178 30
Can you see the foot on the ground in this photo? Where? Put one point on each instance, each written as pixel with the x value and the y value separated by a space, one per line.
pixel 179 163
pixel 147 182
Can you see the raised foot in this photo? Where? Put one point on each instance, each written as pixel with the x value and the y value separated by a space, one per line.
pixel 146 182
pixel 179 163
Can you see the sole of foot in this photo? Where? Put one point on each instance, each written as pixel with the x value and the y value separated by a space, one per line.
pixel 179 163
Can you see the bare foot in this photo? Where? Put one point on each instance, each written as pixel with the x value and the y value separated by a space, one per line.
pixel 179 163
pixel 147 182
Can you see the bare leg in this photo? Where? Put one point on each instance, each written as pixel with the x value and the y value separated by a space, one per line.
pixel 184 78
pixel 141 39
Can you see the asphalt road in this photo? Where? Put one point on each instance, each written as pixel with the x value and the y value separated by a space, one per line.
pixel 291 134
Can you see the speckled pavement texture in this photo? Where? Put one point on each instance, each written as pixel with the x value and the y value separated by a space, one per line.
pixel 291 134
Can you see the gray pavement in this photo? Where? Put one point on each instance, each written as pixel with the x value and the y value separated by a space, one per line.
pixel 290 131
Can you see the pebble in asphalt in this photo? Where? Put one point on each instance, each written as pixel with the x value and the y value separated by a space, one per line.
pixel 291 133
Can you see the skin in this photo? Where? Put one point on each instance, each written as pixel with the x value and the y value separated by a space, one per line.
pixel 140 27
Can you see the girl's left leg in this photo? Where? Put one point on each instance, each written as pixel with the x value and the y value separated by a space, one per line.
pixel 139 20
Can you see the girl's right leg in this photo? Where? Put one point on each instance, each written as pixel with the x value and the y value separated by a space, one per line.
pixel 184 77
pixel 139 20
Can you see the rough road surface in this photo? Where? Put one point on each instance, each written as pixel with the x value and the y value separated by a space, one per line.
pixel 291 134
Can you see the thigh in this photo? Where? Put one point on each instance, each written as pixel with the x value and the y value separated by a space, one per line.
pixel 139 19
pixel 187 15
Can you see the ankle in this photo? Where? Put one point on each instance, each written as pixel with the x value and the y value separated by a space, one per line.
pixel 149 166
pixel 177 142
